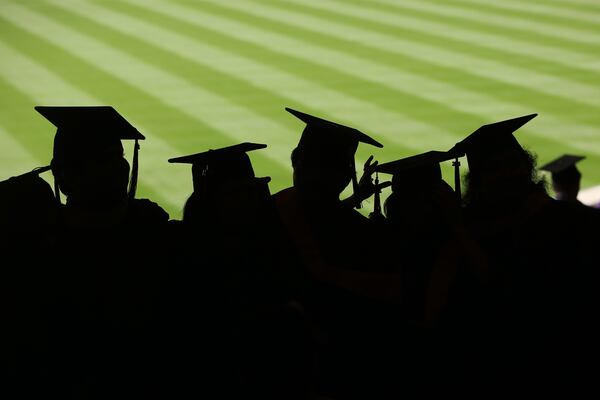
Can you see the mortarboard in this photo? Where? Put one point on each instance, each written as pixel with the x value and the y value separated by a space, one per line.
pixel 563 169
pixel 330 138
pixel 90 121
pixel 420 170
pixel 321 132
pixel 84 130
pixel 227 163
pixel 561 163
pixel 491 140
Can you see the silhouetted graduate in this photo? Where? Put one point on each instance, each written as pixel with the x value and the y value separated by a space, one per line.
pixel 230 212
pixel 89 167
pixel 110 246
pixel 531 308
pixel 215 172
pixel 28 215
pixel 566 178
pixel 27 206
pixel 326 230
pixel 231 208
pixel 416 214
pixel 496 162
pixel 414 180
pixel 351 291
pixel 423 213
pixel 341 139
pixel 241 263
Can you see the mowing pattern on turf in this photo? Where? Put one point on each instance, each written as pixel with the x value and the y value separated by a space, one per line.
pixel 417 75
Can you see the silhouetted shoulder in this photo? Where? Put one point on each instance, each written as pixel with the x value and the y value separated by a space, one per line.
pixel 145 211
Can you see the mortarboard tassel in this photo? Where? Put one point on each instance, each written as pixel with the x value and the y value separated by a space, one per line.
pixel 134 171
pixel 355 188
pixel 56 191
pixel 377 194
pixel 456 165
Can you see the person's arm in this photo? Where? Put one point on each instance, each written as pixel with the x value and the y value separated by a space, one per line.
pixel 366 187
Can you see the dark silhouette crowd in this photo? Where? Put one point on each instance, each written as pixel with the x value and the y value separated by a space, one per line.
pixel 483 289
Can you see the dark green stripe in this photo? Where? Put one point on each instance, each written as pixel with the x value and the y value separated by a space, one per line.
pixel 430 112
pixel 179 130
pixel 292 65
pixel 308 70
pixel 553 20
pixel 175 127
pixel 533 63
pixel 26 126
pixel 36 134
pixel 515 34
pixel 589 8
pixel 384 97
pixel 537 100
pixel 84 71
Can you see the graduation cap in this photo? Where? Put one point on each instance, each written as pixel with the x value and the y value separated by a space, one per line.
pixel 321 132
pixel 562 163
pixel 327 137
pixel 224 164
pixel 563 169
pixel 491 140
pixel 86 130
pixel 420 170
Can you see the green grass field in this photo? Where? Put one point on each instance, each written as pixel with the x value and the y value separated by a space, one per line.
pixel 191 75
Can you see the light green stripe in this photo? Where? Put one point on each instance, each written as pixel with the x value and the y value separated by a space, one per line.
pixel 437 55
pixel 194 101
pixel 188 135
pixel 389 98
pixel 45 87
pixel 452 96
pixel 585 6
pixel 15 158
pixel 307 94
pixel 559 56
pixel 558 11
pixel 527 25
pixel 482 26
pixel 37 82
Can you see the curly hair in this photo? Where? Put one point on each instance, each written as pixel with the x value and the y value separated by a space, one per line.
pixel 535 181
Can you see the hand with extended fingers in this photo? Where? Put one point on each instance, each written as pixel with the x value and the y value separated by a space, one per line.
pixel 366 186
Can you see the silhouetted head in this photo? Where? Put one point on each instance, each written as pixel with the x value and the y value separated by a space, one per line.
pixel 566 178
pixel 226 190
pixel 501 172
pixel 419 195
pixel 323 161
pixel 505 186
pixel 422 208
pixel 88 161
pixel 415 172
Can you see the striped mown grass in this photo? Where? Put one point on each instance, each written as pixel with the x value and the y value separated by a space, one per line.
pixel 417 75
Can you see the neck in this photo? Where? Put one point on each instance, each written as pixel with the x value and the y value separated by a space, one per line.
pixel 94 215
pixel 566 196
pixel 319 198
